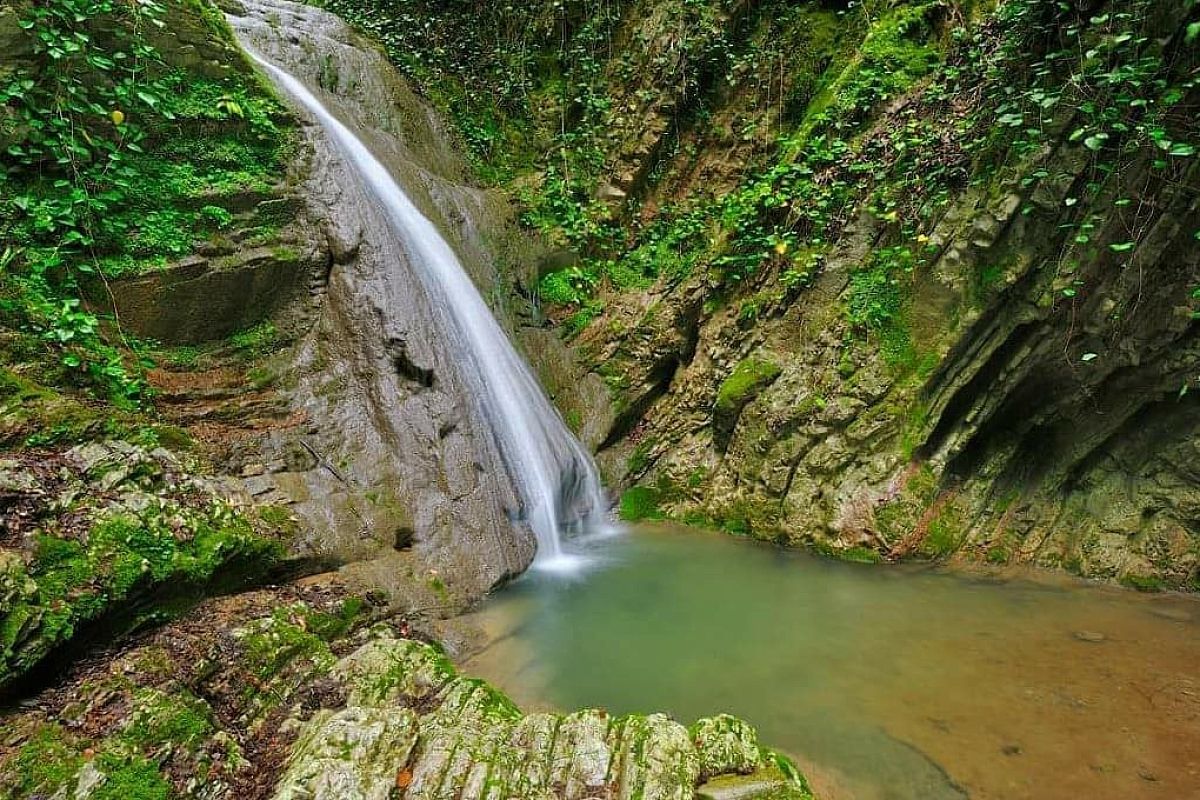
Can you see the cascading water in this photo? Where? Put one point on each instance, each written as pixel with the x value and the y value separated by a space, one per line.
pixel 555 477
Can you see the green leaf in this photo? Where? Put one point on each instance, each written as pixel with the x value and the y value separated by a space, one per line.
pixel 1193 31
pixel 1181 149
pixel 1122 247
pixel 1086 357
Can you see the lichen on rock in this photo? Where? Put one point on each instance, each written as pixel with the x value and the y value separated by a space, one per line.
pixel 726 745
pixel 471 742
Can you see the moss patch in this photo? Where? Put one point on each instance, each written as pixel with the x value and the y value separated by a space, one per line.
pixel 639 503
pixel 749 378
pixel 88 560
pixel 44 764
pixel 1143 583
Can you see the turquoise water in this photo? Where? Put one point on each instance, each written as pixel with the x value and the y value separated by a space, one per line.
pixel 886 683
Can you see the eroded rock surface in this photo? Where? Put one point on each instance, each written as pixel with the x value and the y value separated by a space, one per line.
pixel 401 452
pixel 310 692
pixel 101 535
pixel 438 735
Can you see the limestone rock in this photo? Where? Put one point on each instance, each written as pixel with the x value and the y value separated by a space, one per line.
pixel 726 744
pixel 353 754
pixel 456 737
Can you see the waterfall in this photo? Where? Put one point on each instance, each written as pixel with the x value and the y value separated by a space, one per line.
pixel 555 477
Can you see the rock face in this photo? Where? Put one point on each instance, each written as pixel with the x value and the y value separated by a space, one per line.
pixel 966 268
pixel 970 261
pixel 102 535
pixel 205 298
pixel 1031 402
pixel 400 445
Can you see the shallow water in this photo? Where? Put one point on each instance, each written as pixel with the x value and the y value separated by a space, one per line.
pixel 886 683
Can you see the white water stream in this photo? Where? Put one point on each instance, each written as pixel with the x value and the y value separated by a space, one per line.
pixel 555 477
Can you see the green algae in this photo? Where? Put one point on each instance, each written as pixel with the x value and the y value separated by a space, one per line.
pixel 640 503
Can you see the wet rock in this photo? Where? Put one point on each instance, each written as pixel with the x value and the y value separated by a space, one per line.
pixel 469 741
pixel 353 754
pixel 15 479
pixel 763 785
pixel 388 671
pixel 197 300
pixel 726 744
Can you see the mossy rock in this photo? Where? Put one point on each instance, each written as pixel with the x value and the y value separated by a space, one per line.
pixel 640 503
pixel 726 745
pixel 458 736
pixel 748 379
pixel 122 535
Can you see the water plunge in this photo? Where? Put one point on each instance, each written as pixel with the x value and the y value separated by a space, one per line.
pixel 887 682
pixel 554 476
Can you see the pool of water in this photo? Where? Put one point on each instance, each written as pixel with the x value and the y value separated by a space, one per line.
pixel 885 683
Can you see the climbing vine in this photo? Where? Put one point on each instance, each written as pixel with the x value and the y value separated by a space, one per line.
pixel 74 118
pixel 107 152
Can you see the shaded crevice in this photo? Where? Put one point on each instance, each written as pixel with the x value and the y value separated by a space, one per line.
pixel 660 378
pixel 956 410
pixel 151 607
pixel 408 369
pixel 1139 439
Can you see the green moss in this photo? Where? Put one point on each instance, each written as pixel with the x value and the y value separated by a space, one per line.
pixel 270 647
pixel 858 555
pixel 997 554
pixel 257 341
pixel 439 588
pixel 1143 583
pixel 639 503
pixel 333 626
pixel 639 459
pixel 44 764
pixel 915 418
pixel 946 531
pixel 33 414
pixel 130 778
pixel 899 517
pixel 126 555
pixel 178 719
pixel 749 378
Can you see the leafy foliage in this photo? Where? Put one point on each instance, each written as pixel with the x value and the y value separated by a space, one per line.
pixel 108 148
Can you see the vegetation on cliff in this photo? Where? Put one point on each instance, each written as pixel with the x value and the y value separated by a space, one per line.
pixel 129 134
pixel 887 199
pixel 117 156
